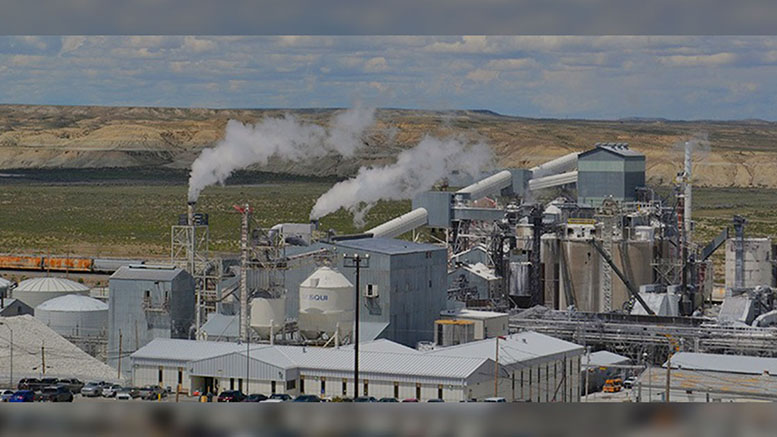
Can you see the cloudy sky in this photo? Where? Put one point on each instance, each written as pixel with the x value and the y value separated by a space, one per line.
pixel 678 77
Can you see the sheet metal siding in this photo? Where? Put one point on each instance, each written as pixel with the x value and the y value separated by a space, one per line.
pixel 438 207
pixel 126 313
pixel 338 375
pixel 234 366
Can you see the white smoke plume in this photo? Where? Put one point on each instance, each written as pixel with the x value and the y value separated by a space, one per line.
pixel 415 171
pixel 284 137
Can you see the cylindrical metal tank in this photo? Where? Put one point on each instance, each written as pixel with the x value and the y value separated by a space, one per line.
pixel 35 291
pixel 5 285
pixel 559 165
pixel 758 261
pixel 490 185
pixel 580 273
pixel 326 301
pixel 398 226
pixel 74 316
pixel 267 313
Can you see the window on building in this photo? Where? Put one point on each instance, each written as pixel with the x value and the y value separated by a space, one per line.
pixel 396 390
pixel 291 385
pixel 231 383
pixel 272 387
pixel 418 391
pixel 439 391
pixel 160 375
pixel 366 388
pixel 323 386
pixel 180 376
pixel 240 384
pixel 301 384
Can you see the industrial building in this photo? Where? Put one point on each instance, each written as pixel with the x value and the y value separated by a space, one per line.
pixel 14 307
pixel 147 302
pixel 532 367
pixel 600 366
pixel 486 324
pixel 35 291
pixel 609 170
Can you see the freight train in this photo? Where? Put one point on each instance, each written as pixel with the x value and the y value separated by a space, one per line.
pixel 64 264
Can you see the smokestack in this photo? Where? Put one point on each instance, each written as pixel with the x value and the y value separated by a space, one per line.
pixel 190 212
pixel 688 198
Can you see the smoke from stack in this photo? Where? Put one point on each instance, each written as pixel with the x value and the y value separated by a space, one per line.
pixel 416 170
pixel 284 137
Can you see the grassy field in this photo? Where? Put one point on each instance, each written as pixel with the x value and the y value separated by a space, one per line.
pixel 134 220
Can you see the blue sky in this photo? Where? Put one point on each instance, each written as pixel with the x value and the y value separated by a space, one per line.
pixel 677 77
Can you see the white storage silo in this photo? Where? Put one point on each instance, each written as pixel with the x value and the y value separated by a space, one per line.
pixel 267 313
pixel 326 299
pixel 74 316
pixel 35 291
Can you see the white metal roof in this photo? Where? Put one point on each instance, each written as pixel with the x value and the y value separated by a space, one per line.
pixel 472 314
pixel 603 358
pixel 184 350
pixel 51 284
pixel 73 302
pixel 382 345
pixel 147 273
pixel 515 348
pixel 4 283
pixel 724 363
pixel 411 364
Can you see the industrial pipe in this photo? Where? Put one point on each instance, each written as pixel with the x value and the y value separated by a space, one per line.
pixel 490 185
pixel 404 223
pixel 561 164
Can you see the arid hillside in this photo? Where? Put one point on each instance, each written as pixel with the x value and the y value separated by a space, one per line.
pixel 740 153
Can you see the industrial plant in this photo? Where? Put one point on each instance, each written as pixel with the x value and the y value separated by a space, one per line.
pixel 516 286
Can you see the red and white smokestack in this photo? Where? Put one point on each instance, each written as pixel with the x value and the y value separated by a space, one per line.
pixel 190 212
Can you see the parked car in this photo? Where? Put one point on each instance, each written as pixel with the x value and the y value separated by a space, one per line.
pixel 127 393
pixel 109 391
pixel 388 400
pixel 92 390
pixel 5 395
pixel 629 382
pixel 153 392
pixel 255 397
pixel 48 382
pixel 231 396
pixel 495 399
pixel 410 400
pixel 23 396
pixel 365 399
pixel 28 384
pixel 278 397
pixel 58 393
pixel 73 384
pixel 435 400
pixel 307 398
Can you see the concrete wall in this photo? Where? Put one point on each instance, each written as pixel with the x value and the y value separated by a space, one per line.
pixel 758 262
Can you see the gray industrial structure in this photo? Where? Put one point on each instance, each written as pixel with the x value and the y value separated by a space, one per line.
pixel 147 302
pixel 610 170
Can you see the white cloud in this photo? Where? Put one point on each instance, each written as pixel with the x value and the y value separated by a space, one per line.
pixel 375 65
pixel 511 64
pixel 71 43
pixel 717 59
pixel 481 75
pixel 198 45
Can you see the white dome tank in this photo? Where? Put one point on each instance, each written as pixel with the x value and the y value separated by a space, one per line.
pixel 326 298
pixel 35 291
pixel 74 315
pixel 266 313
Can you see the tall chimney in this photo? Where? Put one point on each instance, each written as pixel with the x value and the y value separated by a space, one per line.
pixel 190 212
pixel 688 200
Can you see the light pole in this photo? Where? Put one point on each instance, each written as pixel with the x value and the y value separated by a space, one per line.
pixel 10 346
pixel 356 261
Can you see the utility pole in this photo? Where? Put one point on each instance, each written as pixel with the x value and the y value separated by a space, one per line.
pixel 43 357
pixel 356 261
pixel 587 369
pixel 248 364
pixel 496 367
pixel 119 359
pixel 668 375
